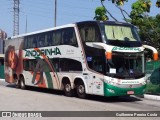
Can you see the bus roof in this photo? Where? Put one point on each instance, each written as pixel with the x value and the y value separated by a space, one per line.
pixel 69 25
pixel 108 22
pixel 41 31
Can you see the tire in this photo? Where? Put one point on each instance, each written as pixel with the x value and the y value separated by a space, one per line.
pixel 80 89
pixel 17 83
pixel 22 83
pixel 68 91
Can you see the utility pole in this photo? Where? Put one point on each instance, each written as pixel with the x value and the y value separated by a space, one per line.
pixel 26 24
pixel 55 12
pixel 16 18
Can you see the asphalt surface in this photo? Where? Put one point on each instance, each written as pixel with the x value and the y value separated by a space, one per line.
pixel 35 99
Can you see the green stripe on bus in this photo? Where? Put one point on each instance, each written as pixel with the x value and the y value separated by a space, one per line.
pixel 49 79
pixel 110 90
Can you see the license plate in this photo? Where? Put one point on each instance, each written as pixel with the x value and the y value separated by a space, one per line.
pixel 130 92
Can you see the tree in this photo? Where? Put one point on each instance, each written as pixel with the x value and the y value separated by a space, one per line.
pixel 141 6
pixel 101 12
pixel 138 9
pixel 149 31
pixel 158 3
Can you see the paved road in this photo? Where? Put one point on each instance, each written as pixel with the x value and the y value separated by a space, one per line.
pixel 33 99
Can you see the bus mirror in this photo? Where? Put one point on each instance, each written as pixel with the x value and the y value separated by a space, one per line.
pixel 108 55
pixel 155 56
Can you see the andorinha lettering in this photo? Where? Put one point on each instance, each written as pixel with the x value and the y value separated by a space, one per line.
pixel 37 53
pixel 125 48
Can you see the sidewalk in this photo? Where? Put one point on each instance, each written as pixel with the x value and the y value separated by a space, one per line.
pixel 152 97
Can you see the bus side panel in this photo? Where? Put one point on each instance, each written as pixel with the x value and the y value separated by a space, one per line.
pixel 13 58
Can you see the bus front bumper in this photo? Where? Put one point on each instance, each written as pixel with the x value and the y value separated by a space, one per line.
pixel 110 90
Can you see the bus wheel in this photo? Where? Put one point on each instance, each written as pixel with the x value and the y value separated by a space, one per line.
pixel 68 90
pixel 80 88
pixel 17 83
pixel 22 83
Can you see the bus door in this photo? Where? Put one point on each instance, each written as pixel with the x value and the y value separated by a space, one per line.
pixel 96 77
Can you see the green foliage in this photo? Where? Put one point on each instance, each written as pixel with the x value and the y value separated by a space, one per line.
pixel 149 31
pixel 100 14
pixel 138 10
pixel 153 89
pixel 118 2
pixel 158 3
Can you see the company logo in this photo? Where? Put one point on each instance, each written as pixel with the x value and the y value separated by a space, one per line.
pixel 125 48
pixel 39 52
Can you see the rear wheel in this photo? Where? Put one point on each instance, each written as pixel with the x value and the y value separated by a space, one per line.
pixel 17 83
pixel 80 88
pixel 68 90
pixel 22 83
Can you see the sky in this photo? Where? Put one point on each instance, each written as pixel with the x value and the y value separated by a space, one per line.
pixel 40 13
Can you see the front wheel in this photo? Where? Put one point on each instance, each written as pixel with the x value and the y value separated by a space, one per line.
pixel 80 88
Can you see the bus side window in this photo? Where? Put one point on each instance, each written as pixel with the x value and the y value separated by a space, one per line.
pixel 57 37
pixel 34 41
pixel 64 66
pixel 74 40
pixel 25 42
pixel 69 37
pixel 31 42
pixel 41 40
pixel 55 63
pixel 70 65
pixel 89 32
pixel 48 39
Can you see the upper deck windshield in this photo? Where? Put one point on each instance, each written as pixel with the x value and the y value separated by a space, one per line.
pixel 121 35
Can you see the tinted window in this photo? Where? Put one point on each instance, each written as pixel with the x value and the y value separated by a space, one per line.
pixel 29 65
pixel 58 64
pixel 69 37
pixel 89 32
pixel 37 65
pixel 64 36
pixel 57 36
pixel 41 40
pixel 70 65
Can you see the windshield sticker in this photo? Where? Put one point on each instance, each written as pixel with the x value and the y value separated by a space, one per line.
pixel 89 59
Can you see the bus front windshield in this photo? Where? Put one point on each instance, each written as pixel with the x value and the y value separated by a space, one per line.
pixel 126 65
pixel 121 35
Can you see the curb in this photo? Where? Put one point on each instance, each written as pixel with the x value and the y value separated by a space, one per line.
pixel 152 97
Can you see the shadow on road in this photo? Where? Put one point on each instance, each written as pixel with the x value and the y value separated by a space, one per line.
pixel 89 97
pixel 113 99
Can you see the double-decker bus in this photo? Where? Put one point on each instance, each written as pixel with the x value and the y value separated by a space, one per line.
pixel 91 57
